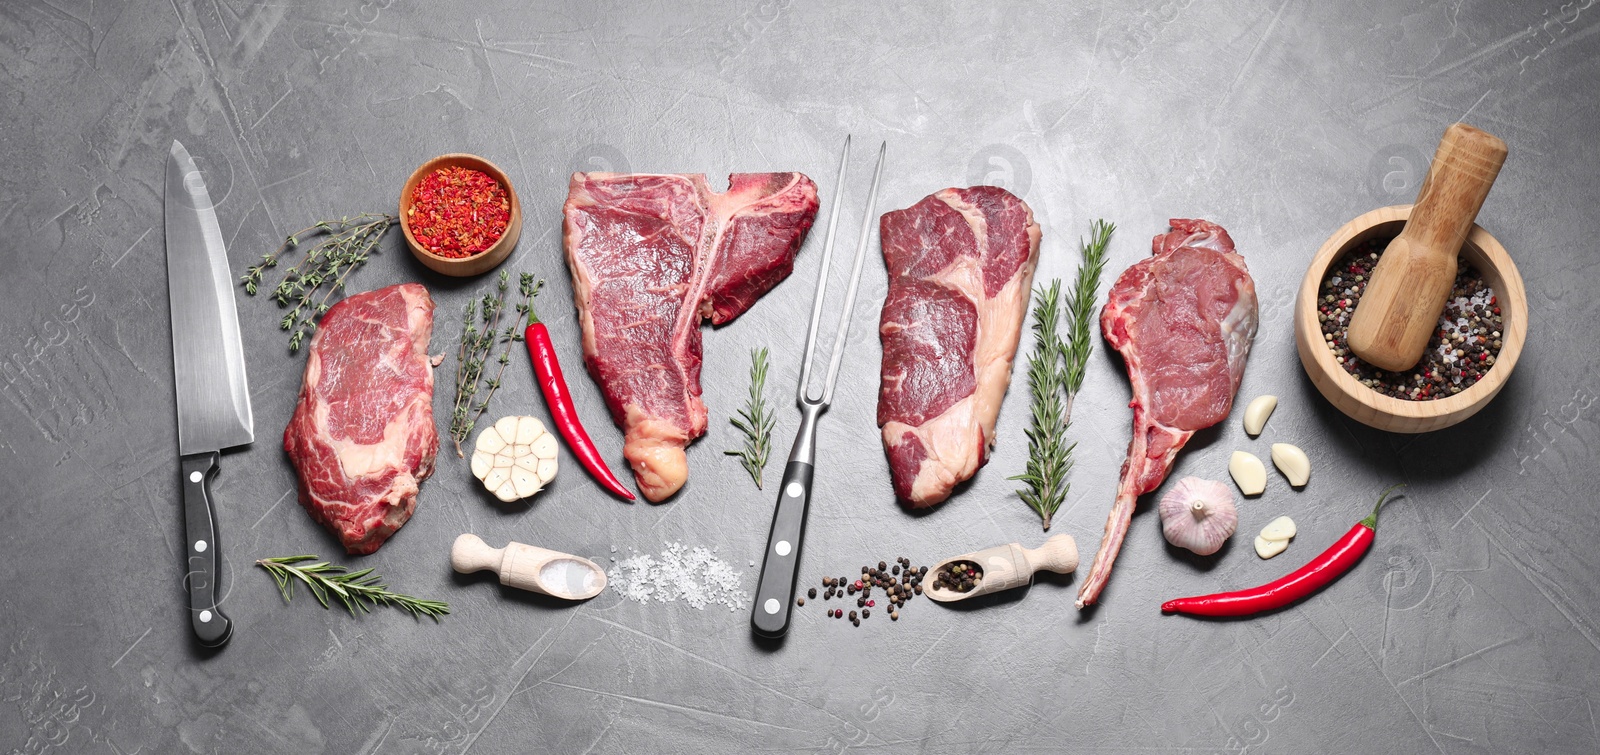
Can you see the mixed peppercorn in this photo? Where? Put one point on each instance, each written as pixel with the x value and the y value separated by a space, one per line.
pixel 958 576
pixel 1461 351
pixel 898 584
pixel 458 212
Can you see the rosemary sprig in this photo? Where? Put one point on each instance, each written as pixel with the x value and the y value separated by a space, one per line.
pixel 755 420
pixel 480 333
pixel 357 590
pixel 1080 310
pixel 1048 456
pixel 344 245
pixel 1055 373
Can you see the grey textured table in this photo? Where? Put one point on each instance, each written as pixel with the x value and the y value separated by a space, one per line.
pixel 1472 627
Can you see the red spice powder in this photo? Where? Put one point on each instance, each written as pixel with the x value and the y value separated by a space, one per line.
pixel 458 212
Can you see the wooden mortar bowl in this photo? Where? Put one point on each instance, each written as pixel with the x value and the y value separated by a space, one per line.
pixel 484 261
pixel 1384 412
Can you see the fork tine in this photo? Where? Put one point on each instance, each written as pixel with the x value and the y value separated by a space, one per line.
pixel 855 279
pixel 802 395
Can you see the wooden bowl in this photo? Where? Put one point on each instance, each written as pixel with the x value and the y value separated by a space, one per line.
pixel 1384 412
pixel 483 261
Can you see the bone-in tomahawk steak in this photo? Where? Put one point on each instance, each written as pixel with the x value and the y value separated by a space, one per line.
pixel 651 256
pixel 362 436
pixel 961 267
pixel 1183 319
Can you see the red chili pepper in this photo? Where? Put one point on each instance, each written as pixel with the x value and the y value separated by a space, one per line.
pixel 1299 584
pixel 556 397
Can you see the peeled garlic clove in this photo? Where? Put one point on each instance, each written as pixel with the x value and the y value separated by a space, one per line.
pixel 526 482
pixel 1268 548
pixel 507 428
pixel 1281 528
pixel 496 477
pixel 489 441
pixel 1256 414
pixel 544 446
pixel 481 463
pixel 1248 473
pixel 1292 462
pixel 1198 515
pixel 528 428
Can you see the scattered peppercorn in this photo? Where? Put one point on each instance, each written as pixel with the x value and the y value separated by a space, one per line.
pixel 799 601
pixel 899 584
pixel 1459 353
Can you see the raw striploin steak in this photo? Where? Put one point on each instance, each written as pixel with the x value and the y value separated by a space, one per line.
pixel 651 256
pixel 961 267
pixel 1183 320
pixel 362 436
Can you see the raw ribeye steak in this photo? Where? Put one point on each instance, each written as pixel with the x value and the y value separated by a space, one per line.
pixel 960 274
pixel 1183 319
pixel 651 256
pixel 362 436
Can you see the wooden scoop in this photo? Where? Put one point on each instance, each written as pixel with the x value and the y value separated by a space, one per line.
pixel 529 567
pixel 1401 306
pixel 1006 566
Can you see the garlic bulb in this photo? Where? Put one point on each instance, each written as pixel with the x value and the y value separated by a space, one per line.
pixel 515 457
pixel 1198 515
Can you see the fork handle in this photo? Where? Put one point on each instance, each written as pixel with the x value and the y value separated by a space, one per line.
pixel 781 566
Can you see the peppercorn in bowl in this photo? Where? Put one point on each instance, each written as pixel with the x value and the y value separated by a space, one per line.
pixel 460 215
pixel 1471 355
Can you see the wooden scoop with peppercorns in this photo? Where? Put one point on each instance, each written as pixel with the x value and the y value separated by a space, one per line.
pixel 1408 289
pixel 1000 568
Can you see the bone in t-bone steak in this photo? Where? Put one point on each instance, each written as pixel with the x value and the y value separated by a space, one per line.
pixel 961 267
pixel 362 437
pixel 651 256
pixel 1183 320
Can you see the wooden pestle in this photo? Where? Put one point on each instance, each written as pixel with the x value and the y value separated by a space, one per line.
pixel 1407 290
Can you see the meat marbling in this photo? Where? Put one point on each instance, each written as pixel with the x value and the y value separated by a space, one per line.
pixel 652 255
pixel 1183 320
pixel 362 437
pixel 961 265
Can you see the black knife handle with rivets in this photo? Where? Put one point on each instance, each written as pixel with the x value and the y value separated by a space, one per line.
pixel 781 567
pixel 201 559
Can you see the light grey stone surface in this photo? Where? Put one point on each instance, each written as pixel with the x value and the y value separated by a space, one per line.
pixel 1474 625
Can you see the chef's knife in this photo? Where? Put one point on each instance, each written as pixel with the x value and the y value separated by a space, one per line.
pixel 208 360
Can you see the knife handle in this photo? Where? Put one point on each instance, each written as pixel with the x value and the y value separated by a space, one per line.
pixel 200 550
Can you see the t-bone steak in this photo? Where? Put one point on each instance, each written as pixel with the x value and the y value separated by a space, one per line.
pixel 362 436
pixel 961 267
pixel 652 255
pixel 1183 319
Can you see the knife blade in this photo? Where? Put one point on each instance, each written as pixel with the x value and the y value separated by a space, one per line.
pixel 213 395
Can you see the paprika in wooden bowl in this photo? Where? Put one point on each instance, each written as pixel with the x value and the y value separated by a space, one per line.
pixel 460 215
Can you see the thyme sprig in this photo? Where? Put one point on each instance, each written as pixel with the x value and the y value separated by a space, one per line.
pixel 480 332
pixel 357 590
pixel 1055 373
pixel 343 245
pixel 755 420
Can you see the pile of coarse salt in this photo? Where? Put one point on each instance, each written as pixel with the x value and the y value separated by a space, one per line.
pixel 693 575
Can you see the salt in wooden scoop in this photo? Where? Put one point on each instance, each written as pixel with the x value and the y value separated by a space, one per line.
pixel 529 567
pixel 1006 566
pixel 1400 308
